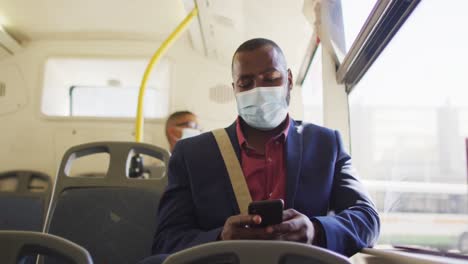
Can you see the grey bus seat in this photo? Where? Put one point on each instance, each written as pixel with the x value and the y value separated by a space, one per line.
pixel 255 251
pixel 113 217
pixel 15 245
pixel 25 206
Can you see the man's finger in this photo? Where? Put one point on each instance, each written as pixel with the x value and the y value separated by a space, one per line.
pixel 299 236
pixel 289 213
pixel 244 220
pixel 292 225
pixel 252 233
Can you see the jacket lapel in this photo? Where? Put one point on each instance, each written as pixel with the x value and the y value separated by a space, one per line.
pixel 293 161
pixel 231 130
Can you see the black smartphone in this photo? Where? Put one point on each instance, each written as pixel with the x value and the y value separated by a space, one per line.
pixel 271 211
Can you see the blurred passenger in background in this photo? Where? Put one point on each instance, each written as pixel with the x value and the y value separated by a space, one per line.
pixel 181 124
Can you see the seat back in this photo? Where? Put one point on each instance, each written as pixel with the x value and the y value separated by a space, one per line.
pixel 25 206
pixel 113 217
pixel 255 251
pixel 16 245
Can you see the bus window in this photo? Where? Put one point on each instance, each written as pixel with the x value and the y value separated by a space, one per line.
pixel 109 101
pixel 312 90
pixel 355 14
pixel 409 122
pixel 102 87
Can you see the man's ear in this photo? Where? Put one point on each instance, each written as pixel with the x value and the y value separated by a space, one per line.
pixel 290 80
pixel 174 133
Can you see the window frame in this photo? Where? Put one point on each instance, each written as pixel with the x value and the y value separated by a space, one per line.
pixel 70 98
pixel 376 34
pixel 127 120
pixel 384 21
pixel 308 58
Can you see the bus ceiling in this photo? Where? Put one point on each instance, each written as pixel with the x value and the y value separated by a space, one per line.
pixel 220 27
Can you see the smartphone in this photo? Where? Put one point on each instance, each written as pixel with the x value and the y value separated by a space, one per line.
pixel 271 211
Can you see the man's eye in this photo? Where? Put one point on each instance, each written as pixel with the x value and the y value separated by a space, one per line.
pixel 245 84
pixel 271 79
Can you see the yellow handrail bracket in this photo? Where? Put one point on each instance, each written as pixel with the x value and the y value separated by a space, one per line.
pixel 156 57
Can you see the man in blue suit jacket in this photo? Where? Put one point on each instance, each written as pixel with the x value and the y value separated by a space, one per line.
pixel 199 204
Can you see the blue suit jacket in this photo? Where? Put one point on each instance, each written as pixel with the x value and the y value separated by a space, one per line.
pixel 199 196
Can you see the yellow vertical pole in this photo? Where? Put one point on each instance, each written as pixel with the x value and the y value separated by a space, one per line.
pixel 156 57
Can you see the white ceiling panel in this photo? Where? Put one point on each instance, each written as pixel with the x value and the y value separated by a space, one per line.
pixel 226 24
pixel 90 19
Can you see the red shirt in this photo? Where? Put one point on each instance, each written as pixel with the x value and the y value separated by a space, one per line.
pixel 265 174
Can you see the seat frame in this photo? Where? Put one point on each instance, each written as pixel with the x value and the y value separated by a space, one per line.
pixel 23 191
pixel 255 251
pixel 15 244
pixel 116 177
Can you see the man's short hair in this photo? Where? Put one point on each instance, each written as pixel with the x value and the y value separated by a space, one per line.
pixel 174 116
pixel 253 44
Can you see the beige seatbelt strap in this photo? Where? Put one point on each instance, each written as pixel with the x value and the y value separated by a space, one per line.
pixel 234 170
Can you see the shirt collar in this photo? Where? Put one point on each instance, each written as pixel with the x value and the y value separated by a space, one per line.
pixel 282 135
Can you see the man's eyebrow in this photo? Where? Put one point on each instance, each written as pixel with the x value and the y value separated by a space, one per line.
pixel 249 76
pixel 271 69
pixel 246 76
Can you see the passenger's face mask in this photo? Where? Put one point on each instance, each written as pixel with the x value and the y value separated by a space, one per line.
pixel 263 108
pixel 189 132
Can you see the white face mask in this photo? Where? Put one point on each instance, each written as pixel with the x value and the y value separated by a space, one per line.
pixel 190 132
pixel 263 108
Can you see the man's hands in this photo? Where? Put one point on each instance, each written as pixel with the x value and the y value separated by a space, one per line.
pixel 241 227
pixel 295 227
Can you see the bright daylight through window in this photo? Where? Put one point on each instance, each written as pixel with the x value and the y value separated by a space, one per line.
pixel 312 90
pixel 101 87
pixel 409 129
pixel 354 17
